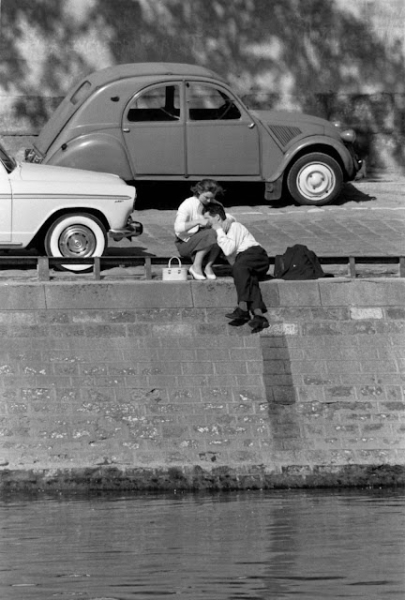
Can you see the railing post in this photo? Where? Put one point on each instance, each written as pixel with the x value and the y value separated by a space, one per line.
pixel 148 268
pixel 43 268
pixel 402 266
pixel 96 268
pixel 352 266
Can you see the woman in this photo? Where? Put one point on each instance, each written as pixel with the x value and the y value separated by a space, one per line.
pixel 194 237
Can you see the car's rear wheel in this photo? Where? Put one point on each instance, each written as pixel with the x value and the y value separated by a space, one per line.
pixel 316 179
pixel 76 236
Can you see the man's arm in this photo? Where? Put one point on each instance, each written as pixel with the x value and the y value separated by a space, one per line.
pixel 228 242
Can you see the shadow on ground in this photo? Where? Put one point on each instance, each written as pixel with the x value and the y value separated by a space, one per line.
pixel 132 250
pixel 352 194
pixel 169 195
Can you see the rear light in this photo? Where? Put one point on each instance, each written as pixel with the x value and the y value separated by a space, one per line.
pixel 31 156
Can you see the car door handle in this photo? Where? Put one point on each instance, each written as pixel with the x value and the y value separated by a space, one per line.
pixel 126 130
pixel 251 125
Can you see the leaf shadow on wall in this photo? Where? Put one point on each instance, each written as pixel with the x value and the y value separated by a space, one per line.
pixel 313 57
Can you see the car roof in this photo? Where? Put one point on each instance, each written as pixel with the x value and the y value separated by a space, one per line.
pixel 98 79
pixel 148 68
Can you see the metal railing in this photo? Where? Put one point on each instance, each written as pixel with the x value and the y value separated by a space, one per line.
pixel 48 268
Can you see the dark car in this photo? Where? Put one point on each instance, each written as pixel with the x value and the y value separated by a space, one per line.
pixel 176 122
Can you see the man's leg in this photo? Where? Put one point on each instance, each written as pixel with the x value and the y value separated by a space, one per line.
pixel 249 266
pixel 245 282
pixel 252 265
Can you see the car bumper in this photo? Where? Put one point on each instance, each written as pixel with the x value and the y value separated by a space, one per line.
pixel 131 229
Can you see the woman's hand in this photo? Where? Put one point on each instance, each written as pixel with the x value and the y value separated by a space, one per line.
pixel 199 222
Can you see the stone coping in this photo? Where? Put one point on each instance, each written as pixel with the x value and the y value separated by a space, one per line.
pixel 192 294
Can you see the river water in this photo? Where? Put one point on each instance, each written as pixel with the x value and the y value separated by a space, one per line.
pixel 252 545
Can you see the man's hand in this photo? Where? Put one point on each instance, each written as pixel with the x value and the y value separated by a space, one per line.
pixel 216 225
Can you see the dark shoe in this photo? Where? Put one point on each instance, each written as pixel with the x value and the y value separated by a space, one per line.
pixel 239 314
pixel 258 323
pixel 238 322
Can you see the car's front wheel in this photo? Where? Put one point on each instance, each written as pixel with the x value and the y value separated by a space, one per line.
pixel 316 179
pixel 76 236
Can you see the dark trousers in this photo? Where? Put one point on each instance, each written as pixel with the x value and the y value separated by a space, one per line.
pixel 250 266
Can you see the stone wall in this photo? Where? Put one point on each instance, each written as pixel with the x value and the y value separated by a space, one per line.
pixel 143 385
pixel 337 58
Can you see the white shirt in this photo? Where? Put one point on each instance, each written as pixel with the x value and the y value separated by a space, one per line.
pixel 237 239
pixel 189 210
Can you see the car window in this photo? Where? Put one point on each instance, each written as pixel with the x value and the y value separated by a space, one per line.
pixel 207 103
pixel 7 160
pixel 156 104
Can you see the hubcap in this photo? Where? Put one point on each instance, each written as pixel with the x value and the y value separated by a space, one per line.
pixel 316 181
pixel 77 241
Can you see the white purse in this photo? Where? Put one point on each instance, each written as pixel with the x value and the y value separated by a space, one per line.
pixel 178 273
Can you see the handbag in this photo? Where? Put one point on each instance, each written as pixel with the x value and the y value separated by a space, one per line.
pixel 177 273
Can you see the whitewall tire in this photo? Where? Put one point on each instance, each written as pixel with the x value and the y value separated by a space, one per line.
pixel 76 236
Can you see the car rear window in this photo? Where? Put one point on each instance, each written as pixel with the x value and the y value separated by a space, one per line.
pixel 81 93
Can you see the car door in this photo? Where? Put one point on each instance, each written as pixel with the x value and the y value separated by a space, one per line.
pixel 221 137
pixel 153 129
pixel 6 165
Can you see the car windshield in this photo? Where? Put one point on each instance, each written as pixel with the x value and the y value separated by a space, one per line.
pixel 7 160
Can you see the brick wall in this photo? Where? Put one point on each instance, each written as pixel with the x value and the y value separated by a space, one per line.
pixel 144 385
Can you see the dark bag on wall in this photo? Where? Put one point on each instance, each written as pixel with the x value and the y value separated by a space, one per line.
pixel 298 262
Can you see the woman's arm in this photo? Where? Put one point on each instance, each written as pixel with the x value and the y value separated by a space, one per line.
pixel 182 226
pixel 184 222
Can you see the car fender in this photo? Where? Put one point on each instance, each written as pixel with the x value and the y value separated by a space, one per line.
pixel 94 152
pixel 33 230
pixel 315 144
pixel 34 213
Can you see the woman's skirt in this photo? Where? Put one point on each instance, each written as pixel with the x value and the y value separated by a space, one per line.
pixel 202 240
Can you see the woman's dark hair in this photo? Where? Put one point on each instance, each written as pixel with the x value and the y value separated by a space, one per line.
pixel 207 185
pixel 213 209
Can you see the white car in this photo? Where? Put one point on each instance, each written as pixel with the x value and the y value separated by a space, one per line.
pixel 67 212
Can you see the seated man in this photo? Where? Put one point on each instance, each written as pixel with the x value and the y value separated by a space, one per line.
pixel 249 264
